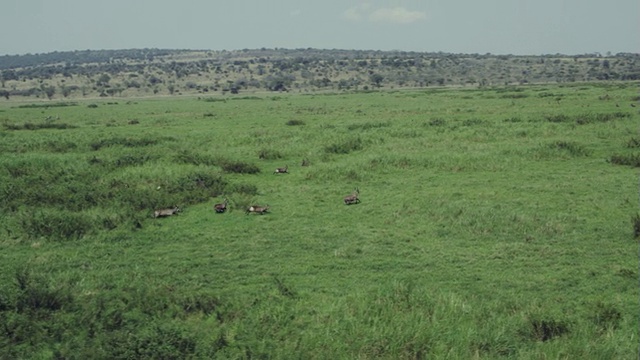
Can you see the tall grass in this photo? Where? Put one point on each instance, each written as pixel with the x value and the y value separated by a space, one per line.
pixel 475 237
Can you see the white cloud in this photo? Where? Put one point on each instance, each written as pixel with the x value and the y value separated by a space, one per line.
pixel 356 13
pixel 397 15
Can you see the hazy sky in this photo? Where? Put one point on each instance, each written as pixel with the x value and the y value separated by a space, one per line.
pixel 520 27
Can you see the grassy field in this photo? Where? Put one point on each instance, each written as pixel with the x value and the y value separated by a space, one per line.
pixel 493 223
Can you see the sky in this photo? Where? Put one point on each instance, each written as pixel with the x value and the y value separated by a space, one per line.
pixel 517 27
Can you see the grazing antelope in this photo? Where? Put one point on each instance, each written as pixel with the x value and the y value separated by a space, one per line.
pixel 257 209
pixel 166 212
pixel 220 208
pixel 284 170
pixel 353 198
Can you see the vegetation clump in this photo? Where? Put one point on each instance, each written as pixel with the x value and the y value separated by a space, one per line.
pixel 448 214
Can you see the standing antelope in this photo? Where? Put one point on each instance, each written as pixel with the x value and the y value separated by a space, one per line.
pixel 257 209
pixel 166 212
pixel 220 208
pixel 353 198
pixel 284 170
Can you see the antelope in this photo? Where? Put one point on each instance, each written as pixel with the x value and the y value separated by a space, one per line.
pixel 284 170
pixel 220 208
pixel 353 198
pixel 257 209
pixel 166 212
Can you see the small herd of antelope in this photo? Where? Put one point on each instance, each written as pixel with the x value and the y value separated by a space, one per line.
pixel 221 208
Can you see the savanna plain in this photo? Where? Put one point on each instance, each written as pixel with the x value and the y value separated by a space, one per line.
pixel 492 223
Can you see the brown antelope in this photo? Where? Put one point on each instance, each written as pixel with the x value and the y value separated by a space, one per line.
pixel 166 212
pixel 257 209
pixel 220 208
pixel 353 198
pixel 284 170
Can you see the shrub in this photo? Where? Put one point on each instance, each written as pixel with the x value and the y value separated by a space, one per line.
pixel 627 159
pixel 558 118
pixel 514 96
pixel 603 117
pixel 368 125
pixel 39 294
pixel 472 122
pixel 126 142
pixel 239 167
pixel 188 157
pixel 295 122
pixel 437 122
pixel 269 154
pixel 606 316
pixel 55 224
pixel 196 185
pixel 636 225
pixel 572 148
pixel 633 143
pixel 247 189
pixel 58 104
pixel 544 329
pixel 131 160
pixel 38 126
pixel 347 146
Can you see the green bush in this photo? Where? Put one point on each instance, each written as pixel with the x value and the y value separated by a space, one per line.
pixel 239 167
pixel 189 157
pixel 625 159
pixel 345 147
pixel 295 122
pixel 269 154
pixel 55 224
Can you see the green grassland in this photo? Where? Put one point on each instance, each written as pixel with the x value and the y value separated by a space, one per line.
pixel 493 223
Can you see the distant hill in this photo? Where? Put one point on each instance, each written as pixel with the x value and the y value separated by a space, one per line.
pixel 147 72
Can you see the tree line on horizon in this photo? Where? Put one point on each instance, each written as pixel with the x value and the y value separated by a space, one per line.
pixel 115 73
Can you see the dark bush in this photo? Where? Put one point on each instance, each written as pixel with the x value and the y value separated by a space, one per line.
pixel 636 225
pixel 368 125
pixel 131 160
pixel 603 117
pixel 437 122
pixel 606 316
pixel 247 189
pixel 38 126
pixel 269 154
pixel 472 122
pixel 239 167
pixel 206 304
pixel 514 96
pixel 165 341
pixel 558 118
pixel 513 119
pixel 188 157
pixel 544 329
pixel 36 293
pixel 198 181
pixel 349 145
pixel 627 159
pixel 56 224
pixel 58 104
pixel 570 147
pixel 295 122
pixel 127 142
pixel 633 143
